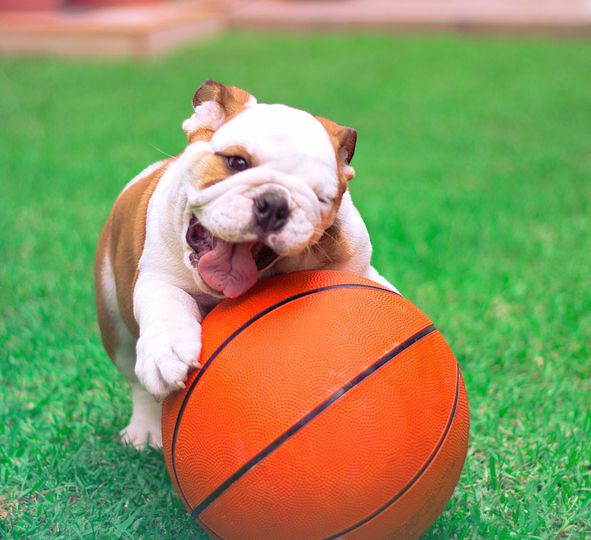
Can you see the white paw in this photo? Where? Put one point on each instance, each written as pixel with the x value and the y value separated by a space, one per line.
pixel 165 356
pixel 140 435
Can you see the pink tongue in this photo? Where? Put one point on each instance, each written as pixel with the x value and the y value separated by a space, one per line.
pixel 228 268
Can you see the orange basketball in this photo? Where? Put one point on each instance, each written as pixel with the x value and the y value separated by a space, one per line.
pixel 326 407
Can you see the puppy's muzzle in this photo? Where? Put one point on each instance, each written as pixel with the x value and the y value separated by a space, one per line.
pixel 271 211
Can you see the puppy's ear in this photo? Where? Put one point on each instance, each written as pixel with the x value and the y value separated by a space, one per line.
pixel 231 99
pixel 214 104
pixel 343 139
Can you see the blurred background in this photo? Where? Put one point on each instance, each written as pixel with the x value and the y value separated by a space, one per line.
pixel 150 27
pixel 473 176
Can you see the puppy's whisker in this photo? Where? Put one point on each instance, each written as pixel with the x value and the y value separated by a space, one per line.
pixel 319 248
pixel 162 151
pixel 324 233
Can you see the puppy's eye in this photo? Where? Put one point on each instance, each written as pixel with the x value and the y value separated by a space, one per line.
pixel 237 163
pixel 322 200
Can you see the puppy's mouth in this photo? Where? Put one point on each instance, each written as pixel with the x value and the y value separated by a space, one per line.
pixel 227 267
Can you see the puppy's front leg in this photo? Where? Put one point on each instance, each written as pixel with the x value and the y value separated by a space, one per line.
pixel 169 343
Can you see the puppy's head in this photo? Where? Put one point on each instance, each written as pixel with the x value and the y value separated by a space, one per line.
pixel 262 182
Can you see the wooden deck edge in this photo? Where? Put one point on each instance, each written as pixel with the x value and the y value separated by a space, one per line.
pixel 119 43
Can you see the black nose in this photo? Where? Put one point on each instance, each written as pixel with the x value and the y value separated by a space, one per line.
pixel 270 211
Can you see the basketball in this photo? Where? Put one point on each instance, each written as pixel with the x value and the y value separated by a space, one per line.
pixel 326 407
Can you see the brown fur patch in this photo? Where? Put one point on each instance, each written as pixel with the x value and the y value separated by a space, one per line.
pixel 209 169
pixel 343 141
pixel 123 239
pixel 105 320
pixel 333 247
pixel 201 134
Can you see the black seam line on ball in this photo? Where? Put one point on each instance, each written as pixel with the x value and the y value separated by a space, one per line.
pixel 416 477
pixel 308 417
pixel 236 333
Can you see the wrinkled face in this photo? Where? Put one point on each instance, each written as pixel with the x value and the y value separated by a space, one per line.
pixel 264 183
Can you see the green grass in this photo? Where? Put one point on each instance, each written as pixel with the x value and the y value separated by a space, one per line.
pixel 474 178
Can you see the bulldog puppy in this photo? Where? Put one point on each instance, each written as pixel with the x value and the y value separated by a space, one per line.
pixel 259 190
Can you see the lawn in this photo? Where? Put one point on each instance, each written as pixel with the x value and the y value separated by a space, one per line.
pixel 474 178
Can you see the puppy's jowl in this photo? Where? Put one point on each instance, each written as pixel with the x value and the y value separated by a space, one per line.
pixel 259 190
